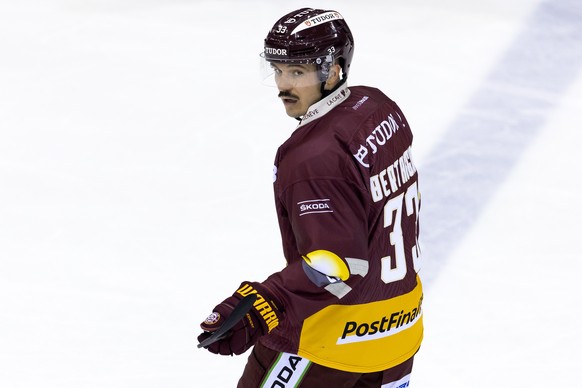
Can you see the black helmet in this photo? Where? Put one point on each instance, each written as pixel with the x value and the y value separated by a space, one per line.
pixel 311 36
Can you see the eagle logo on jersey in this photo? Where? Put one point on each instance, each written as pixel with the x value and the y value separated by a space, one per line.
pixel 328 263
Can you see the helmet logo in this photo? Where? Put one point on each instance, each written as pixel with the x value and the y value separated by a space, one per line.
pixel 293 20
pixel 317 20
pixel 275 51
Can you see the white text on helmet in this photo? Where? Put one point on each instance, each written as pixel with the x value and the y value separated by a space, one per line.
pixel 316 20
pixel 275 51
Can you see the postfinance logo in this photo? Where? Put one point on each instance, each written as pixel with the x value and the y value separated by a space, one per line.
pixel 386 326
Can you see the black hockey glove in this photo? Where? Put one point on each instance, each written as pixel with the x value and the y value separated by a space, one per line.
pixel 258 321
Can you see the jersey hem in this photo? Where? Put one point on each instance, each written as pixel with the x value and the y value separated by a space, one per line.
pixel 361 368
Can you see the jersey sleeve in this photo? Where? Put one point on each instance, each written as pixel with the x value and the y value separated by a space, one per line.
pixel 329 215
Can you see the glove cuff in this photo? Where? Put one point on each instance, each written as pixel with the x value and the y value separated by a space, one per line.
pixel 265 307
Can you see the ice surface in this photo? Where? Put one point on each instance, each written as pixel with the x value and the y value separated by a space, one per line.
pixel 136 153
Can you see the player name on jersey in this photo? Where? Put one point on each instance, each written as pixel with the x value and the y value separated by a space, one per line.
pixel 390 179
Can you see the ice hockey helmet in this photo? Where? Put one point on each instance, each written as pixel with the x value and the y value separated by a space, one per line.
pixel 310 35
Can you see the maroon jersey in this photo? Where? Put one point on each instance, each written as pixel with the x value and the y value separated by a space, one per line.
pixel 347 200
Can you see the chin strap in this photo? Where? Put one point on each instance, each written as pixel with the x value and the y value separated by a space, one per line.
pixel 325 93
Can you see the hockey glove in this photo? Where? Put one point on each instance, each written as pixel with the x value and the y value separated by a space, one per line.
pixel 258 321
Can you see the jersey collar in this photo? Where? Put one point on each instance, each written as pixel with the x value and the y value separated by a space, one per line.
pixel 323 106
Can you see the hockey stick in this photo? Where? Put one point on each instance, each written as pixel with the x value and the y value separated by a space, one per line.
pixel 237 314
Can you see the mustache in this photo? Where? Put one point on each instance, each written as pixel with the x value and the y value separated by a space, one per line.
pixel 287 94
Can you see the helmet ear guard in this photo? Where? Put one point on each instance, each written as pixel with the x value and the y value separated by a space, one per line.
pixel 323 67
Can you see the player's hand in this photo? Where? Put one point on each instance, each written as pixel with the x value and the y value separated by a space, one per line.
pixel 260 320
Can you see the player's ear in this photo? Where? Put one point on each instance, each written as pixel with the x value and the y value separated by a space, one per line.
pixel 334 76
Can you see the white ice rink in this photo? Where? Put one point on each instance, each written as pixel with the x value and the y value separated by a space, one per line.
pixel 136 153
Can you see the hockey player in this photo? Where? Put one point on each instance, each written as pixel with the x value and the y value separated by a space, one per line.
pixel 347 309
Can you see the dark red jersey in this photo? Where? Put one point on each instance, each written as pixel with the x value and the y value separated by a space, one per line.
pixel 347 200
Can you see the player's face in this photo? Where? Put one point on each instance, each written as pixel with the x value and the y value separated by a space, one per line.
pixel 299 86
